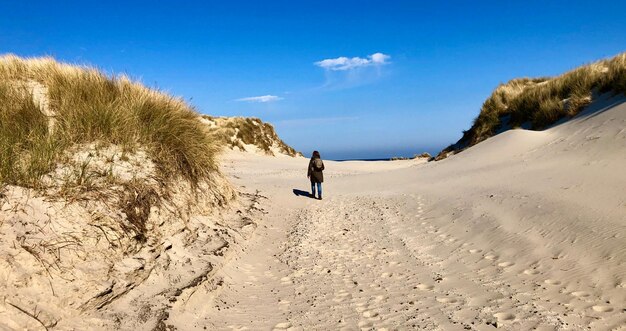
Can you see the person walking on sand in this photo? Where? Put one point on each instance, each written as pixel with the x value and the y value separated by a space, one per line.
pixel 315 174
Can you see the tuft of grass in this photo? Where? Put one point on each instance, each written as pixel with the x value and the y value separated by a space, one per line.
pixel 84 105
pixel 26 150
pixel 615 76
pixel 540 102
pixel 136 204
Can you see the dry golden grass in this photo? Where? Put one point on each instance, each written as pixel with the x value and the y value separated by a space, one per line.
pixel 540 102
pixel 87 106
pixel 236 131
pixel 26 150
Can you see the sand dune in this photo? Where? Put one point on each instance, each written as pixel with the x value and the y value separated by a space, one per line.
pixel 526 230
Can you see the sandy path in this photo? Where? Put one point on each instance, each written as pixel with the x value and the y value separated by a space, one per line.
pixel 368 263
pixel 523 231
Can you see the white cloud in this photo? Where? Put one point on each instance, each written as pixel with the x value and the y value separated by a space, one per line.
pixel 344 63
pixel 379 58
pixel 262 98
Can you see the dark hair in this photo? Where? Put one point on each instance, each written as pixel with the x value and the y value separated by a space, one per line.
pixel 316 154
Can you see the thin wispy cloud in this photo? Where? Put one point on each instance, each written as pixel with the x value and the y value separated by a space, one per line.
pixel 262 99
pixel 343 72
pixel 344 63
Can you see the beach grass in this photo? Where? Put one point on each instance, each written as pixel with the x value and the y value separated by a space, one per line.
pixel 26 150
pixel 537 103
pixel 239 131
pixel 84 105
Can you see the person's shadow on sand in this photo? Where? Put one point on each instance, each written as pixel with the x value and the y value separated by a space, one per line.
pixel 301 193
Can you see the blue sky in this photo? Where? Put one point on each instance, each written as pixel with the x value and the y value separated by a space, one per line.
pixel 444 58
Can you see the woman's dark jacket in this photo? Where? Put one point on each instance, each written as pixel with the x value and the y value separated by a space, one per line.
pixel 316 175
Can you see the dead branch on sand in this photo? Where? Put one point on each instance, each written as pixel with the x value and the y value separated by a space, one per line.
pixel 34 315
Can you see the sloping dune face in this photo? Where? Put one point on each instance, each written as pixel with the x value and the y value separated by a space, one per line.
pixel 108 192
pixel 526 230
pixel 531 224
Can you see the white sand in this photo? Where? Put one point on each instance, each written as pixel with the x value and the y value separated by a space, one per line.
pixel 525 230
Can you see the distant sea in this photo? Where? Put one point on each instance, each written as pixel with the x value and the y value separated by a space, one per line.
pixel 385 159
pixel 377 155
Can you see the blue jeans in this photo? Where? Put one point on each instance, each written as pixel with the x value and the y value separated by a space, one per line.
pixel 319 188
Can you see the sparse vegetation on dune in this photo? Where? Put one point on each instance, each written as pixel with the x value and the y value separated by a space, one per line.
pixel 239 131
pixel 47 107
pixel 99 176
pixel 540 102
pixel 134 161
pixel 424 155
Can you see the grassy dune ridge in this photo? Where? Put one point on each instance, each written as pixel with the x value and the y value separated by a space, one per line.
pixel 47 107
pixel 237 131
pixel 539 102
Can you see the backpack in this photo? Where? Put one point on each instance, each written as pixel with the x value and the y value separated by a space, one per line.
pixel 318 164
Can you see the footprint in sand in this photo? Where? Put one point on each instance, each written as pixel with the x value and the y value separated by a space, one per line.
pixel 475 250
pixel 424 287
pixel 365 324
pixel 369 314
pixel 342 296
pixel 504 316
pixel 282 326
pixel 531 272
pixel 552 282
pixel 447 300
pixel 380 298
pixel 360 309
pixel 602 309
pixel 505 264
pixel 581 294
